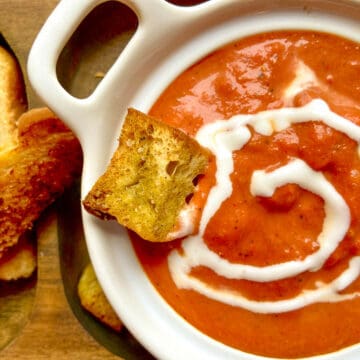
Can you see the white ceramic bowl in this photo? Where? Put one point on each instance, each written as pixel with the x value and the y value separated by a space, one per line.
pixel 167 41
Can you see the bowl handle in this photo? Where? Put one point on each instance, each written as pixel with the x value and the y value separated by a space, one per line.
pixel 154 16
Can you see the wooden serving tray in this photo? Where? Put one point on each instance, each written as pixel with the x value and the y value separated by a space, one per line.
pixel 41 318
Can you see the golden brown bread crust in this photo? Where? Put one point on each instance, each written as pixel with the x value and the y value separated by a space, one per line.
pixel 12 99
pixel 46 160
pixel 149 178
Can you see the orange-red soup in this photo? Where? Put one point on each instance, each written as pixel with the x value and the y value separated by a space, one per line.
pixel 249 76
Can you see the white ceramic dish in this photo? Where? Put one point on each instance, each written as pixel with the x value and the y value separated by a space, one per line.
pixel 167 41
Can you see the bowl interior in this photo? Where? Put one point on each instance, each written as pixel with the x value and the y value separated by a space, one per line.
pixel 143 311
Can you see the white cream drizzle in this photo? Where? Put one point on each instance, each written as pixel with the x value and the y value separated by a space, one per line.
pixel 304 78
pixel 223 137
pixel 185 225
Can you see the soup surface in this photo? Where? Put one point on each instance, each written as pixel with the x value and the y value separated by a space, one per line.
pixel 274 269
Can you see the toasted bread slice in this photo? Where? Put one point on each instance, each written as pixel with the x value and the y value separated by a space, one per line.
pixel 46 160
pixel 38 158
pixel 149 178
pixel 20 260
pixel 93 299
pixel 12 99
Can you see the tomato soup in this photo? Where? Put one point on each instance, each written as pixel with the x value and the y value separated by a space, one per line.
pixel 274 269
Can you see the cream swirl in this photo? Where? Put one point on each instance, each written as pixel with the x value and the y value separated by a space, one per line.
pixel 223 137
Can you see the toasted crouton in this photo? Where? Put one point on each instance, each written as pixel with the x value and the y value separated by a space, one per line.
pixel 149 179
pixel 93 299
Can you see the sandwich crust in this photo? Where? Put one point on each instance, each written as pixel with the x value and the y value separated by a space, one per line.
pixel 12 99
pixel 46 160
